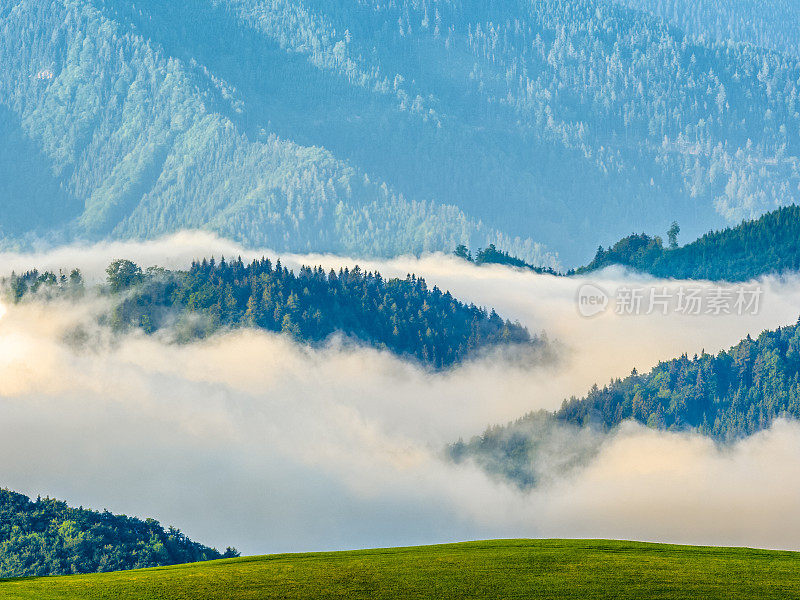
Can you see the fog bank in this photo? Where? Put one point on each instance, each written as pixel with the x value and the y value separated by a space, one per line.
pixel 253 440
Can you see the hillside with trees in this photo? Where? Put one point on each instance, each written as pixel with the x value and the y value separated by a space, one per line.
pixel 492 256
pixel 46 537
pixel 404 316
pixel 770 24
pixel 382 128
pixel 726 396
pixel 769 245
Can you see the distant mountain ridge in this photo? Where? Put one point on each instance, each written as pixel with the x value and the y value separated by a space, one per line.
pixel 140 143
pixel 769 245
pixel 379 129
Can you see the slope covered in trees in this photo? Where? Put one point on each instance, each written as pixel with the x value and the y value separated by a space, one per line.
pixel 492 256
pixel 47 537
pixel 770 24
pixel 379 128
pixel 401 315
pixel 140 143
pixel 769 245
pixel 726 396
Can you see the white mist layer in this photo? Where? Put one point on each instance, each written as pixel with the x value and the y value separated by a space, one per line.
pixel 252 440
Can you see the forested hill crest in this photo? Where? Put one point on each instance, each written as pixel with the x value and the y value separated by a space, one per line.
pixel 47 537
pixel 404 316
pixel 491 255
pixel 381 128
pixel 765 246
pixel 726 396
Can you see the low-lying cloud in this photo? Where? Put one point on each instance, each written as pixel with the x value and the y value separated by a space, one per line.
pixel 251 439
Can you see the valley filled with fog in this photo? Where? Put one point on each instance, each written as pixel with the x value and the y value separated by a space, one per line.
pixel 252 439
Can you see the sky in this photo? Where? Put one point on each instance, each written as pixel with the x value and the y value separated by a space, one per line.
pixel 252 440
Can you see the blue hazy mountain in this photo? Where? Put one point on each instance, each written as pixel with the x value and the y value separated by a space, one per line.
pixel 768 24
pixel 385 127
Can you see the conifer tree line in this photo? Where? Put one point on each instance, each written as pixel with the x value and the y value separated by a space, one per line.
pixel 404 316
pixel 768 245
pixel 727 396
pixel 491 255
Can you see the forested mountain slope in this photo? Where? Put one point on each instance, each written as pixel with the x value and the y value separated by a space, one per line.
pixel 47 537
pixel 139 143
pixel 770 24
pixel 768 245
pixel 492 256
pixel 401 315
pixel 379 128
pixel 726 396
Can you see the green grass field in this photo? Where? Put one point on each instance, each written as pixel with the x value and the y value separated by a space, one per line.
pixel 494 570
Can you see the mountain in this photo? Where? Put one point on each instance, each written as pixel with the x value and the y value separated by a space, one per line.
pixel 492 256
pixel 726 396
pixel 125 139
pixel 400 315
pixel 767 24
pixel 381 128
pixel 47 537
pixel 769 245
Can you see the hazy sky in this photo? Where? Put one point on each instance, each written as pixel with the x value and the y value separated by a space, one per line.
pixel 249 439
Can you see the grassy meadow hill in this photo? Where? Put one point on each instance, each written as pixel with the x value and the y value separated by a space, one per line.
pixel 564 569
